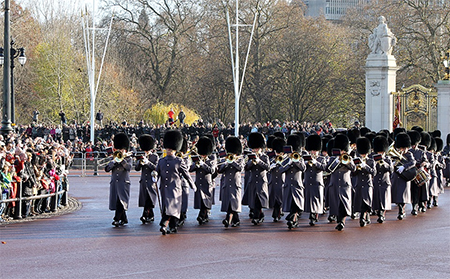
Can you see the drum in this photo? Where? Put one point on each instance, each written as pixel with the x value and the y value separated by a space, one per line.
pixel 408 174
pixel 422 177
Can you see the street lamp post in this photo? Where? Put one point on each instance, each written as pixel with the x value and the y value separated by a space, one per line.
pixel 14 53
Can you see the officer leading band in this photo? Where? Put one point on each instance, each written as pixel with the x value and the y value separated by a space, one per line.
pixel 348 174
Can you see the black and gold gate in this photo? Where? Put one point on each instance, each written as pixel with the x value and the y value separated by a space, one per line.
pixel 418 107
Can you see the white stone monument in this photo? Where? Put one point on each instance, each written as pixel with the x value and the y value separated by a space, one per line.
pixel 381 77
pixel 443 111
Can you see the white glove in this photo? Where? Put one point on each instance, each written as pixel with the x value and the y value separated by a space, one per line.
pixel 229 161
pixel 363 165
pixel 145 161
pixel 313 161
pixel 273 165
pixel 401 169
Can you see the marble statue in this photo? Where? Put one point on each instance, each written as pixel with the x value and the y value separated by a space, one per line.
pixel 382 40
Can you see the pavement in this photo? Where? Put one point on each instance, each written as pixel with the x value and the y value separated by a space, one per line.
pixel 83 244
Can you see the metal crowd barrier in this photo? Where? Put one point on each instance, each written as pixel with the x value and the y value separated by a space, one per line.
pixel 53 205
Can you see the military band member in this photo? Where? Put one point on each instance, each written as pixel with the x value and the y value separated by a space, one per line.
pixel 340 192
pixel 313 178
pixel 293 194
pixel 365 171
pixel 258 190
pixel 434 166
pixel 182 153
pixel 382 180
pixel 401 188
pixel 171 170
pixel 276 180
pixel 419 194
pixel 148 190
pixel 231 169
pixel 204 165
pixel 440 167
pixel 119 187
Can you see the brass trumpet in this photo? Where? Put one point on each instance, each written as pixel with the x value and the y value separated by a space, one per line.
pixel 345 158
pixel 295 156
pixel 118 156
pixel 279 159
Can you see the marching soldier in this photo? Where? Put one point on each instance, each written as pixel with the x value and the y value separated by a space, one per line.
pixel 340 192
pixel 276 180
pixel 204 165
pixel 231 169
pixel 313 180
pixel 293 194
pixel 119 187
pixel 401 186
pixel 440 166
pixel 258 191
pixel 182 153
pixel 171 170
pixel 419 194
pixel 365 171
pixel 382 180
pixel 148 191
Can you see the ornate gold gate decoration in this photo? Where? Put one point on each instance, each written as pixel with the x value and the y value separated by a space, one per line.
pixel 418 107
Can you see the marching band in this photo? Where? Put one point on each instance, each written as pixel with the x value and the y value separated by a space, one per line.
pixel 345 174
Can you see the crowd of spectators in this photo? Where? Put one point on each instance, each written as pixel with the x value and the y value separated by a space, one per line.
pixel 77 137
pixel 31 167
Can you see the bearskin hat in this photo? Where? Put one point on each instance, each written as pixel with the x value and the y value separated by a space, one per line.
pixel 302 136
pixel 204 146
pixel 436 134
pixel 121 141
pixel 380 144
pixel 341 141
pixel 448 139
pixel 173 139
pixel 330 146
pixel 313 142
pixel 425 139
pixel 146 142
pixel 256 140
pixel 371 136
pixel 353 134
pixel 184 146
pixel 279 134
pixel 270 140
pixel 402 140
pixel 363 145
pixel 415 137
pixel 432 146
pixel 233 145
pixel 417 128
pixel 439 144
pixel 398 130
pixel 364 131
pixel 295 141
pixel 277 144
pixel 324 143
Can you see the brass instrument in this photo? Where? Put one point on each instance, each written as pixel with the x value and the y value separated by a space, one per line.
pixel 118 156
pixel 407 174
pixel 310 159
pixel 295 156
pixel 359 162
pixel 345 158
pixel 279 159
pixel 230 158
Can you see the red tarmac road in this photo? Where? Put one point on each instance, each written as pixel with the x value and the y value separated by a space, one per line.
pixel 83 244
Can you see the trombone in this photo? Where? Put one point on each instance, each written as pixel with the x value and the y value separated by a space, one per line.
pixel 118 155
pixel 230 158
